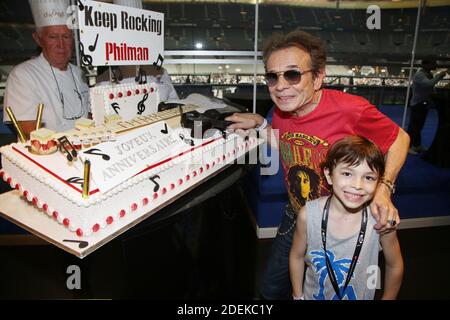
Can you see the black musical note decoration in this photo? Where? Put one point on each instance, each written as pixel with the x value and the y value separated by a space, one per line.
pixel 160 59
pixel 86 60
pixel 141 105
pixel 81 244
pixel 224 135
pixel 115 107
pixel 165 130
pixel 94 152
pixel 93 46
pixel 65 144
pixel 156 188
pixel 185 140
pixel 80 5
pixel 76 180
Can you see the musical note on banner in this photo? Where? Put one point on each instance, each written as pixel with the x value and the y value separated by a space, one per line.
pixel 92 47
pixel 86 60
pixel 75 180
pixel 141 105
pixel 81 244
pixel 156 188
pixel 160 59
pixel 115 106
pixel 165 130
pixel 80 5
pixel 95 153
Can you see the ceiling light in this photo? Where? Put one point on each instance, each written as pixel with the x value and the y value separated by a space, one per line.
pixel 199 45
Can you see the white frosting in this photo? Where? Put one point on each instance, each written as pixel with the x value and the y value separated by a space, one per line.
pixel 175 176
pixel 125 98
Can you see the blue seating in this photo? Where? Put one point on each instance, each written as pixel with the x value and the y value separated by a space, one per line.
pixel 266 194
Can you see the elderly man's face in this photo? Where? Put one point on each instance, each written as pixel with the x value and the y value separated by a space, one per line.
pixel 296 98
pixel 56 43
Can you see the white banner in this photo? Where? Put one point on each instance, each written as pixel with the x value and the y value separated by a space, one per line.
pixel 112 163
pixel 116 35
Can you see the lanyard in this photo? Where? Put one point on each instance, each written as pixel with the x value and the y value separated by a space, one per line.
pixel 359 243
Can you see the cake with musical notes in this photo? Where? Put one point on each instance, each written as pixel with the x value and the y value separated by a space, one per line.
pixel 136 167
pixel 125 100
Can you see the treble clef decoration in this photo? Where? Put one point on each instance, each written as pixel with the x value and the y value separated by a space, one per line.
pixel 86 60
pixel 141 105
pixel 93 152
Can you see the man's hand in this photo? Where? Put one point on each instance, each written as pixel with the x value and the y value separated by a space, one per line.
pixel 383 211
pixel 245 121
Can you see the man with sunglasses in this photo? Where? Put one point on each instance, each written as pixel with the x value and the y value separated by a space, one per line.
pixel 49 78
pixel 307 120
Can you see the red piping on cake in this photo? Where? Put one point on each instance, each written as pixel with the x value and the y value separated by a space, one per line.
pixel 53 174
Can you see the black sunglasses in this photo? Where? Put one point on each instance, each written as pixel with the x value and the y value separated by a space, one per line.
pixel 291 76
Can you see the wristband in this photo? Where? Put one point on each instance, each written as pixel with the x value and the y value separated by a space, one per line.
pixel 298 298
pixel 262 126
pixel 389 184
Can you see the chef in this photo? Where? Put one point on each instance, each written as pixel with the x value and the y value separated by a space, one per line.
pixel 49 78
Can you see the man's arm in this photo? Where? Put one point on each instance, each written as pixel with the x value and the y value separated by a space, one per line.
pixel 422 79
pixel 382 206
pixel 21 104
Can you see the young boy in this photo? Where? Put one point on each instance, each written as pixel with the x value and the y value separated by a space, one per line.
pixel 341 225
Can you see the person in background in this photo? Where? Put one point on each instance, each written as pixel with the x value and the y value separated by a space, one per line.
pixel 326 235
pixel 421 101
pixel 146 74
pixel 49 78
pixel 309 119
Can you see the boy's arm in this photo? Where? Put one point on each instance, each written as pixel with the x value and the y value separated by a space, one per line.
pixel 297 255
pixel 394 265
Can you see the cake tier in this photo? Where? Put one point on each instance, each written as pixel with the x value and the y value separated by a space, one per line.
pixel 158 184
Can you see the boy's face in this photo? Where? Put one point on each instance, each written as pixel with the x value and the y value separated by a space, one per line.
pixel 353 186
pixel 296 97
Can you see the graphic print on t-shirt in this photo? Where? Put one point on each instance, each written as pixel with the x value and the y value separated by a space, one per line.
pixel 340 269
pixel 301 156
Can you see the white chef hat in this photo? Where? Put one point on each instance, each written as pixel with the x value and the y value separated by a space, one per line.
pixel 129 3
pixel 49 12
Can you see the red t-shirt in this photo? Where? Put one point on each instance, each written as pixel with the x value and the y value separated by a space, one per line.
pixel 304 141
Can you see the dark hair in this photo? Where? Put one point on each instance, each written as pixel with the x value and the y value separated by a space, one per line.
pixel 300 39
pixel 352 150
pixel 294 183
pixel 428 64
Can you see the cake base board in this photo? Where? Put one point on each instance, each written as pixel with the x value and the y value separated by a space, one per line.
pixel 28 217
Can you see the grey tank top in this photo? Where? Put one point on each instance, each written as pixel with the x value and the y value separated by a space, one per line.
pixel 365 279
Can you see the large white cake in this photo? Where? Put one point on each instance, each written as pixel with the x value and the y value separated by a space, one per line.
pixel 140 165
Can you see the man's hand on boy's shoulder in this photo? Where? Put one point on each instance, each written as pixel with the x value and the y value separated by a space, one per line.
pixel 383 211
